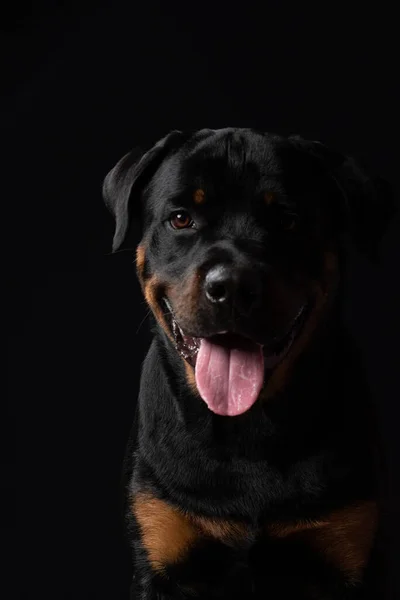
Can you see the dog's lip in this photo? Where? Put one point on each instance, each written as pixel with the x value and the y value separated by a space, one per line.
pixel 293 325
pixel 274 349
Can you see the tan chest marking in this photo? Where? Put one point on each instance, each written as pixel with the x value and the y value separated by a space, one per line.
pixel 168 534
pixel 344 538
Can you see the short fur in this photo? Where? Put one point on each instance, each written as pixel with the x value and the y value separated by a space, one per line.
pixel 281 501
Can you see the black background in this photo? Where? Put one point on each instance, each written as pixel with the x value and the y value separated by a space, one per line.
pixel 83 84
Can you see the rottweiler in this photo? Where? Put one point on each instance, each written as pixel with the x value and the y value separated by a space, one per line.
pixel 252 466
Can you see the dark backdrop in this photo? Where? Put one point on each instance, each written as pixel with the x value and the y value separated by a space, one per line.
pixel 83 85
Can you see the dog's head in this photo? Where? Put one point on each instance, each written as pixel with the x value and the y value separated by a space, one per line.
pixel 239 255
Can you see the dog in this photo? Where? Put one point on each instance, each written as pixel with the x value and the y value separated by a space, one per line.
pixel 252 466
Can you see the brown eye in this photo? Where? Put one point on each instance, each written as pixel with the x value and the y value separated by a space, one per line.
pixel 181 220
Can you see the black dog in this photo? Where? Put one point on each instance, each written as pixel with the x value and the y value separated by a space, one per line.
pixel 252 469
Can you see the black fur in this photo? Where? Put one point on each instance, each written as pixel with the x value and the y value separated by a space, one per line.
pixel 309 449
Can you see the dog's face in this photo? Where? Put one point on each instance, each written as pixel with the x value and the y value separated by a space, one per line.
pixel 239 255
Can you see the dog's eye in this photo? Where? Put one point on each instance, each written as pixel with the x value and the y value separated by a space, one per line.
pixel 288 221
pixel 181 220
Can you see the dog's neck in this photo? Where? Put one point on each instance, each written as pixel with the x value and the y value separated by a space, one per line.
pixel 318 417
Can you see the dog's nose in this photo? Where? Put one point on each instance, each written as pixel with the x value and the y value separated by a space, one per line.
pixel 219 284
pixel 226 285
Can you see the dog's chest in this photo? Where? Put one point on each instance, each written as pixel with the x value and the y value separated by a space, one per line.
pixel 190 546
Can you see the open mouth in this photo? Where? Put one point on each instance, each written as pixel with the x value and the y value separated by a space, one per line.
pixel 231 369
pixel 188 346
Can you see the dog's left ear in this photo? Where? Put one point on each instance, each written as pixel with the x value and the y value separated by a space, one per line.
pixel 124 184
pixel 368 203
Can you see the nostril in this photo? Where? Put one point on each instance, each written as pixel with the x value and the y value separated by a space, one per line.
pixel 216 291
pixel 246 299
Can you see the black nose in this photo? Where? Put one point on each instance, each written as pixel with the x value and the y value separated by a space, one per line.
pixel 219 284
pixel 226 285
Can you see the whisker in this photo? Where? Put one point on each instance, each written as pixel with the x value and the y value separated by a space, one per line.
pixel 118 251
pixel 143 320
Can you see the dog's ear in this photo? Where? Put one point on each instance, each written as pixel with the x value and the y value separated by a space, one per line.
pixel 123 185
pixel 367 202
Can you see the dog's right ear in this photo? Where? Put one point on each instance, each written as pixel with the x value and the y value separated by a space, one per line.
pixel 123 185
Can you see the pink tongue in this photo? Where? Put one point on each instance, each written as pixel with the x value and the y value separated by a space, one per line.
pixel 229 379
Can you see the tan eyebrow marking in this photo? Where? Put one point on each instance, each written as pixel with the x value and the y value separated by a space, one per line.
pixel 269 197
pixel 199 196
